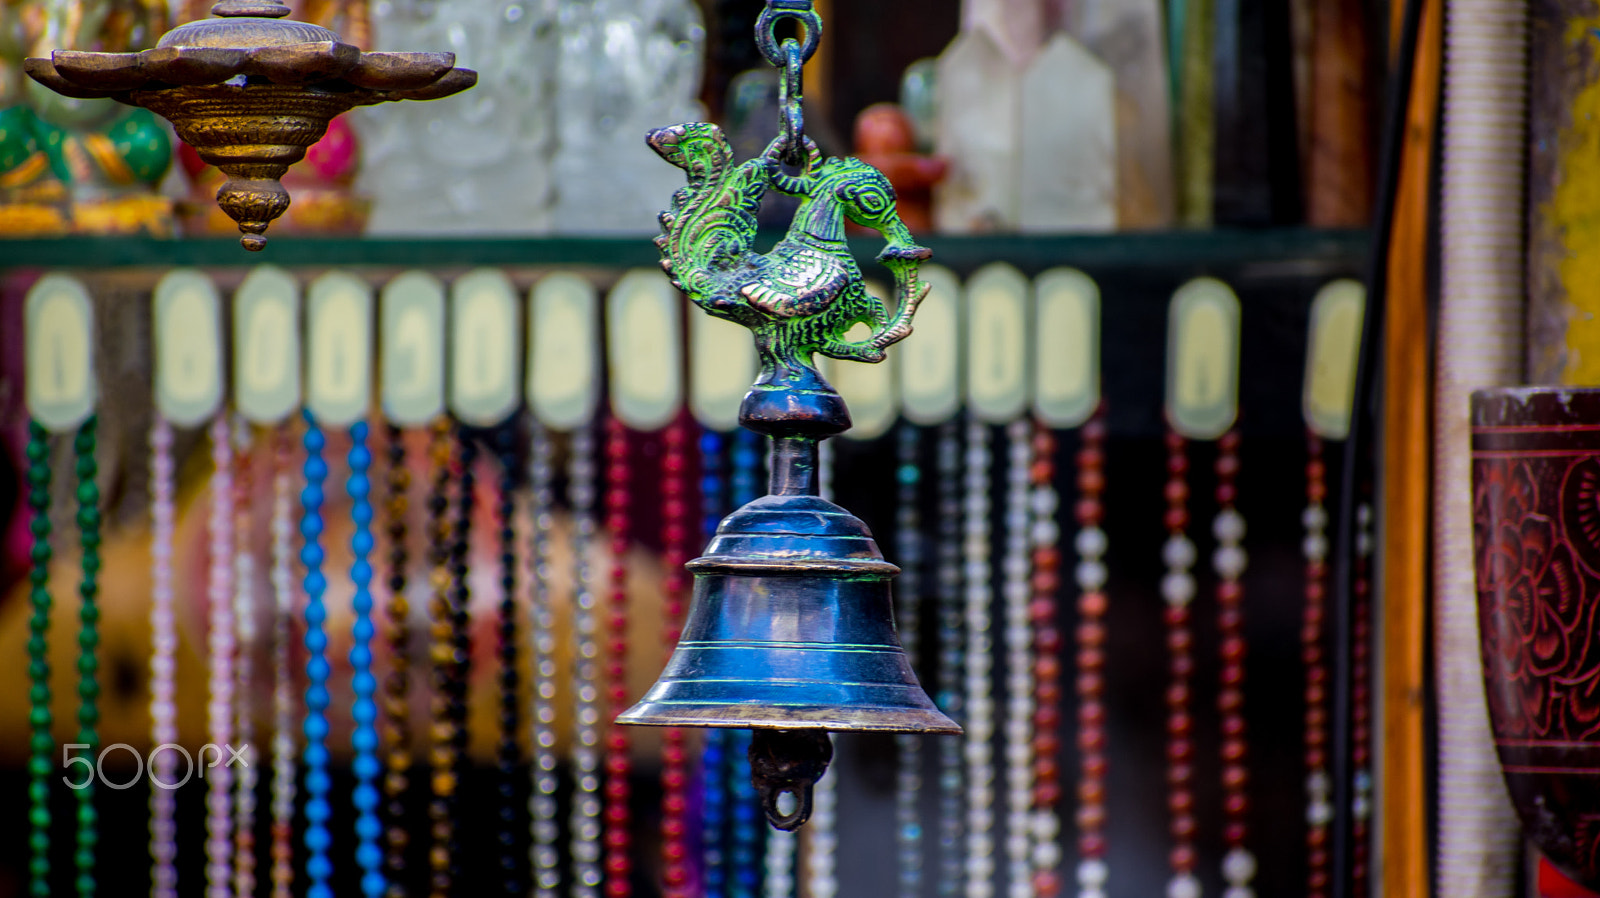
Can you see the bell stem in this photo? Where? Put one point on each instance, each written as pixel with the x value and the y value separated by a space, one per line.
pixel 794 466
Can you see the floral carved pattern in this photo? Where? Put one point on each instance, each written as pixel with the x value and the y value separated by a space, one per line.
pixel 1537 526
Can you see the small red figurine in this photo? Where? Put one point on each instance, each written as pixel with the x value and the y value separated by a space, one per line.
pixel 886 141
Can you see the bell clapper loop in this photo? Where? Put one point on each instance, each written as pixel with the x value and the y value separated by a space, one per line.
pixel 788 761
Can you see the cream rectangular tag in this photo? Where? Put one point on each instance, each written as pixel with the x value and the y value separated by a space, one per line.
pixel 928 365
pixel 564 348
pixel 722 366
pixel 1333 348
pixel 266 346
pixel 645 349
pixel 58 322
pixel 187 329
pixel 868 388
pixel 1203 359
pixel 997 343
pixel 1066 339
pixel 485 358
pixel 411 348
pixel 339 367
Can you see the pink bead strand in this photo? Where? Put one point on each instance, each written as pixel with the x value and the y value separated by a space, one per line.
pixel 164 642
pixel 244 612
pixel 219 781
pixel 284 707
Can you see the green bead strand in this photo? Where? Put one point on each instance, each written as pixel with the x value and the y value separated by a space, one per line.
pixel 41 745
pixel 88 495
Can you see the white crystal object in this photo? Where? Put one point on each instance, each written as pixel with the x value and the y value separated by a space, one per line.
pixel 477 162
pixel 1239 866
pixel 1178 552
pixel 1183 886
pixel 1091 542
pixel 1092 874
pixel 979 101
pixel 1068 143
pixel 1177 588
pixel 1229 561
pixel 1228 526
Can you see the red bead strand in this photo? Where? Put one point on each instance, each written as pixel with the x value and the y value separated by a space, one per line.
pixel 1178 590
pixel 1361 704
pixel 674 770
pixel 1238 865
pixel 1091 636
pixel 618 836
pixel 1318 810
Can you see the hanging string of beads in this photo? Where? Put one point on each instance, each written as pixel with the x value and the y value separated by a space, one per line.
pixel 244 615
pixel 1319 810
pixel 1238 865
pixel 1017 596
pixel 317 811
pixel 395 731
pixel 1361 704
pixel 979 722
pixel 952 660
pixel 442 751
pixel 1092 872
pixel 908 602
pixel 585 827
pixel 508 755
pixel 219 785
pixel 545 858
pixel 163 666
pixel 674 766
pixel 88 493
pixel 364 738
pixel 283 706
pixel 745 850
pixel 1044 585
pixel 618 836
pixel 460 636
pixel 41 744
pixel 1178 589
pixel 714 793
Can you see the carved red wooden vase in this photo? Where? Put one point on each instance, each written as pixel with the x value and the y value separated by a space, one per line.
pixel 1536 533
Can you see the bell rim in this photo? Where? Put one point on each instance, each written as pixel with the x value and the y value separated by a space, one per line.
pixel 791 567
pixel 923 721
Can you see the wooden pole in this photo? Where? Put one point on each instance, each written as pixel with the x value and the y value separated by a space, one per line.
pixel 1402 786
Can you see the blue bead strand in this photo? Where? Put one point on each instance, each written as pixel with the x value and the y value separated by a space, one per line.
pixel 747 824
pixel 952 660
pixel 714 758
pixel 364 739
pixel 319 869
pixel 908 601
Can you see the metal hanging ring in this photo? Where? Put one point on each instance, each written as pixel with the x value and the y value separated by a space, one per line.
pixel 778 10
pixel 792 123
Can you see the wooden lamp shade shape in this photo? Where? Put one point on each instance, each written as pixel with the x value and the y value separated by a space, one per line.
pixel 250 91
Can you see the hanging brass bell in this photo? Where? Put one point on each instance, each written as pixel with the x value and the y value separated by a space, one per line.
pixel 791 633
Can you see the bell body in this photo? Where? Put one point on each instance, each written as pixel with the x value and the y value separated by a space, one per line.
pixel 791 627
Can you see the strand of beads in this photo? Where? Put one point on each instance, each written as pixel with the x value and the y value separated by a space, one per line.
pixel 1319 810
pixel 441 755
pixel 364 738
pixel 714 793
pixel 1017 595
pixel 316 838
pixel 822 834
pixel 283 705
pixel 979 724
pixel 618 863
pixel 460 639
pixel 219 819
pixel 163 666
pixel 244 615
pixel 545 859
pixel 41 744
pixel 395 731
pixel 744 853
pixel 674 766
pixel 1361 704
pixel 1178 589
pixel 1238 865
pixel 586 802
pixel 88 643
pixel 508 755
pixel 952 660
pixel 908 545
pixel 1092 872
